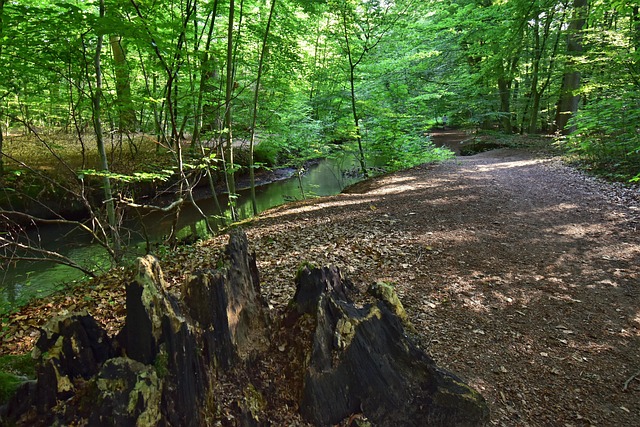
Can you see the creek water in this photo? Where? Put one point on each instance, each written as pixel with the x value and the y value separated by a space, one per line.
pixel 23 281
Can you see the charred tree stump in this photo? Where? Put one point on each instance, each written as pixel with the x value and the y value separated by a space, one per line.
pixel 163 366
pixel 71 350
pixel 362 361
pixel 179 357
pixel 211 328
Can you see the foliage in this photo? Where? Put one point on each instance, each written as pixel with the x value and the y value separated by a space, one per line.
pixel 606 137
pixel 175 88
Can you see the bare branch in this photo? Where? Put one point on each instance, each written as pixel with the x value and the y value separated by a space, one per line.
pixel 46 256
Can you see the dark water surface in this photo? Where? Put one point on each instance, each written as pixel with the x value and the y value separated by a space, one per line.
pixel 23 281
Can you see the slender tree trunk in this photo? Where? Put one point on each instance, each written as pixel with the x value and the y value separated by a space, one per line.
pixel 569 98
pixel 354 110
pixel 229 165
pixel 104 162
pixel 504 87
pixel 535 71
pixel 126 113
pixel 255 109
pixel 540 47
pixel 635 27
pixel 207 73
pixel 2 2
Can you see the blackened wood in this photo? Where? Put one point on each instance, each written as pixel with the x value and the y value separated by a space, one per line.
pixel 362 361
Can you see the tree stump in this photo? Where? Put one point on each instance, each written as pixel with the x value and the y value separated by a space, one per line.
pixel 194 359
pixel 362 361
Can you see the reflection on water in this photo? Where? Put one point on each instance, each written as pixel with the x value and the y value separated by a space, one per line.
pixel 23 281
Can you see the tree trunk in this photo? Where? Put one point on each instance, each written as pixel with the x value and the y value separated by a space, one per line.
pixel 569 98
pixel 2 2
pixel 228 151
pixel 354 110
pixel 207 73
pixel 635 27
pixel 1 144
pixel 255 109
pixel 126 113
pixel 504 86
pixel 104 161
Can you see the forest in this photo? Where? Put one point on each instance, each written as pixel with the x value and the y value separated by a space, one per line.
pixel 104 103
pixel 119 118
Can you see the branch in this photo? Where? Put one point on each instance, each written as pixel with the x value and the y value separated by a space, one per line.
pixel 169 208
pixel 626 383
pixel 47 256
pixel 84 227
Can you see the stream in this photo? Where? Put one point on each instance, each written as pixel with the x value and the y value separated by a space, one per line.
pixel 24 280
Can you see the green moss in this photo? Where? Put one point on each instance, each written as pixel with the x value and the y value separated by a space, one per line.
pixel 14 371
pixel 9 383
pixel 254 401
pixel 387 293
pixel 23 365
pixel 301 268
pixel 161 364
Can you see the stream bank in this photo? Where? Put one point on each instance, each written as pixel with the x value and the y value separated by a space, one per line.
pixel 23 281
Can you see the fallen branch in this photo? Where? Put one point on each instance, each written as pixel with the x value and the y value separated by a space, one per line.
pixel 628 381
pixel 169 208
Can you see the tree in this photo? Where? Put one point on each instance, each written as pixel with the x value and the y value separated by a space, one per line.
pixel 126 113
pixel 97 124
pixel 363 25
pixel 569 96
pixel 228 151
pixel 254 118
pixel 2 2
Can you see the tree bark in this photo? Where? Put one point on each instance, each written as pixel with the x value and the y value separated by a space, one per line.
pixel 254 117
pixel 126 113
pixel 361 360
pixel 104 161
pixel 228 151
pixel 569 98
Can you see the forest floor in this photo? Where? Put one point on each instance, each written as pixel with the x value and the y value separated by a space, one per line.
pixel 519 273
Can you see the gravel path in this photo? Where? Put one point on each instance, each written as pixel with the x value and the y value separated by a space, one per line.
pixel 519 273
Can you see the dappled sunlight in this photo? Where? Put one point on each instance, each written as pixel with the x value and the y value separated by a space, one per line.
pixel 575 230
pixel 293 209
pixel 393 189
pixel 636 323
pixel 509 164
pixel 395 185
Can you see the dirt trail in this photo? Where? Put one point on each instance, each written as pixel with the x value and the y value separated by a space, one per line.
pixel 520 274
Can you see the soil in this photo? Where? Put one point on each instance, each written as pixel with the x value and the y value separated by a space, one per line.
pixel 519 273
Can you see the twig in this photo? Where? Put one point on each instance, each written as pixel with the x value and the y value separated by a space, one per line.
pixel 626 383
pixel 169 208
pixel 46 256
